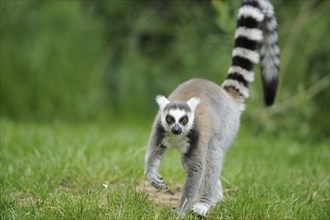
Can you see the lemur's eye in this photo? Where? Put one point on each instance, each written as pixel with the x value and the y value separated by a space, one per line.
pixel 169 119
pixel 184 120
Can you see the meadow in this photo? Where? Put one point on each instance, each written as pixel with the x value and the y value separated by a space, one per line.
pixel 78 81
pixel 95 171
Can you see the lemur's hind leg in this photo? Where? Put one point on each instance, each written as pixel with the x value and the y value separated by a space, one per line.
pixel 211 190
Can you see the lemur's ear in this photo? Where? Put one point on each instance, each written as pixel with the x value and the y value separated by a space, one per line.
pixel 162 101
pixel 193 102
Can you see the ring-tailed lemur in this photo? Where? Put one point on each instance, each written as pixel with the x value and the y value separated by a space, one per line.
pixel 201 118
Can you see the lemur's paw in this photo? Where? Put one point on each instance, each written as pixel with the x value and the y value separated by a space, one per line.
pixel 156 180
pixel 200 209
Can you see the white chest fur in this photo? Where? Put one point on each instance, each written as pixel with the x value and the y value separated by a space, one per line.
pixel 180 142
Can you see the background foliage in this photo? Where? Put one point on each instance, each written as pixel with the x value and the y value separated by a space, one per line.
pixel 87 60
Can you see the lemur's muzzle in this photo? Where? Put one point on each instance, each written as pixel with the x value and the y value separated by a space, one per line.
pixel 176 129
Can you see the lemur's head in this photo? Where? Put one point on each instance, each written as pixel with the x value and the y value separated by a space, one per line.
pixel 177 116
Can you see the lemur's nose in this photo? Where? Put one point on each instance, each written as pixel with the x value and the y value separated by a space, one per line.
pixel 176 129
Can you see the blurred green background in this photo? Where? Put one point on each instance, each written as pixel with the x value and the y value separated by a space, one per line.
pixel 78 61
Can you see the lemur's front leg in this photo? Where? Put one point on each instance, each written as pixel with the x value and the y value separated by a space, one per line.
pixel 153 158
pixel 195 166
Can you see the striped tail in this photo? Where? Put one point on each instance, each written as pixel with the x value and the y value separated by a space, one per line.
pixel 256 30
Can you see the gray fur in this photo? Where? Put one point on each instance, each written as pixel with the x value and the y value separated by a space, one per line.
pixel 217 119
pixel 179 105
pixel 213 113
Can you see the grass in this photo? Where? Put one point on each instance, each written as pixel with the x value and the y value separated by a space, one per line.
pixel 90 171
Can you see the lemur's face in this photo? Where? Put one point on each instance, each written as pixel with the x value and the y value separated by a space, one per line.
pixel 178 116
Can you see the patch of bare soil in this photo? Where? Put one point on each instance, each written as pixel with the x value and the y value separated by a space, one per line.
pixel 170 197
pixel 23 198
